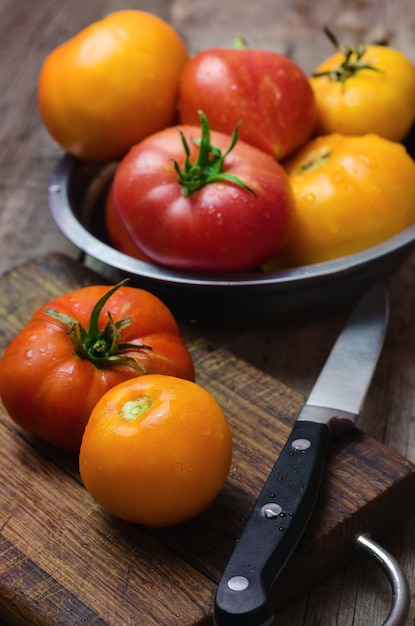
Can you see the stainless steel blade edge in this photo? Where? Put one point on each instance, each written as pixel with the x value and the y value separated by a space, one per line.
pixel 338 387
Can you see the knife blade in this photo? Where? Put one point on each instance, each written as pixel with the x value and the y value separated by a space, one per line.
pixel 287 499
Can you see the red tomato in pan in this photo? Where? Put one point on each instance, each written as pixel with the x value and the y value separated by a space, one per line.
pixel 201 201
pixel 119 236
pixel 266 91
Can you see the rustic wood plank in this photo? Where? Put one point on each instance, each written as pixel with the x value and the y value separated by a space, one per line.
pixel 64 560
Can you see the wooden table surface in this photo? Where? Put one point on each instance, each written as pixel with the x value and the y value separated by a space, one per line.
pixel 291 353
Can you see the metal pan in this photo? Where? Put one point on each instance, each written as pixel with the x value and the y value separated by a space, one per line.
pixel 76 195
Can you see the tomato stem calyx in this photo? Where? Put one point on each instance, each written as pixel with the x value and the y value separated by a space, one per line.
pixel 351 64
pixel 102 347
pixel 134 409
pixel 240 43
pixel 209 165
pixel 310 166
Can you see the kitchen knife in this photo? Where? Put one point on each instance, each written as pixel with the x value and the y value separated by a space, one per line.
pixel 284 506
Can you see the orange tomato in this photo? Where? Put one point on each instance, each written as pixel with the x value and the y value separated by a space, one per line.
pixel 350 193
pixel 112 84
pixel 367 89
pixel 156 450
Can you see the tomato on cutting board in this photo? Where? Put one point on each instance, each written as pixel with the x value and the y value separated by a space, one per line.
pixel 77 347
pixel 156 450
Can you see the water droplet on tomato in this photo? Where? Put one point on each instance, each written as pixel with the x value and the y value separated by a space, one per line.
pixel 310 198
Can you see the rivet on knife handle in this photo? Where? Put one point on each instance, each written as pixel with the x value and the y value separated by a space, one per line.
pixel 281 511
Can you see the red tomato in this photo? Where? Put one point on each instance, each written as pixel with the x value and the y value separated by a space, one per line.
pixel 207 210
pixel 117 232
pixel 265 90
pixel 76 348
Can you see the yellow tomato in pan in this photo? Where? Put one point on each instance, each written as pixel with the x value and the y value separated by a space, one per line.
pixel 350 193
pixel 365 89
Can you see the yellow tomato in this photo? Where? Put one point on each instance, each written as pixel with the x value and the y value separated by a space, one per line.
pixel 350 193
pixel 112 84
pixel 368 89
pixel 156 451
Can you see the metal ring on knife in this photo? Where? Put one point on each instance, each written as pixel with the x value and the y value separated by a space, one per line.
pixel 400 588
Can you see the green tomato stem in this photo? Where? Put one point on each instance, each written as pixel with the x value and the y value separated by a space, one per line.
pixel 314 164
pixel 103 347
pixel 133 409
pixel 209 165
pixel 351 64
pixel 240 43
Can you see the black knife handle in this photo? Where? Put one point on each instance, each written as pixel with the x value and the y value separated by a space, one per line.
pixel 273 529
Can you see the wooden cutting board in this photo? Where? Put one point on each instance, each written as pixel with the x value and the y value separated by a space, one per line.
pixel 63 560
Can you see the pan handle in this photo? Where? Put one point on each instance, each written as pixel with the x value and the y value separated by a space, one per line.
pixel 400 588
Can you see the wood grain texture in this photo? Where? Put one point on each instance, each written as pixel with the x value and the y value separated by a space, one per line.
pixel 357 594
pixel 63 560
